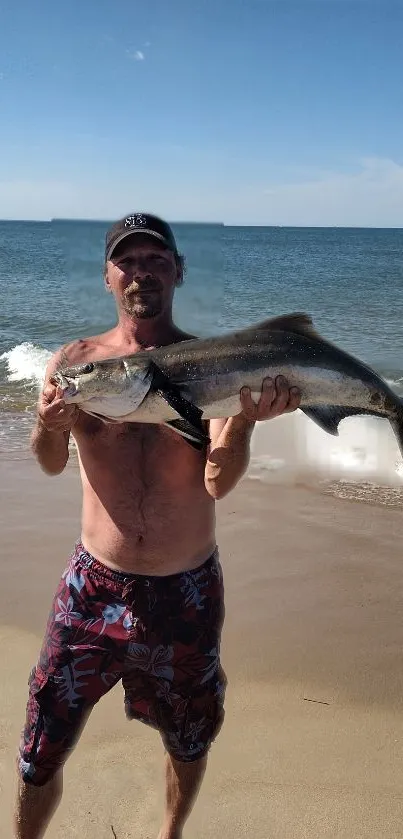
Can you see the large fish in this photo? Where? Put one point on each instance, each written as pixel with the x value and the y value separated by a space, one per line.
pixel 184 384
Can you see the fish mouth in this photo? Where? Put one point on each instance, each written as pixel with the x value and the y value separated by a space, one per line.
pixel 70 390
pixel 67 385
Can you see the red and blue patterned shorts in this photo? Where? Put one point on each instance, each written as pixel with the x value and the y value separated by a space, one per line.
pixel 159 635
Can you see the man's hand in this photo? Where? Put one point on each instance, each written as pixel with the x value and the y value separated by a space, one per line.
pixel 276 399
pixel 53 412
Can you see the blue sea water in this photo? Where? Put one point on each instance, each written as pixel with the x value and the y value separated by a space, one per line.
pixel 349 280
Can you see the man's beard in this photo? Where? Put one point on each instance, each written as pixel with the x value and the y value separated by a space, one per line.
pixel 142 303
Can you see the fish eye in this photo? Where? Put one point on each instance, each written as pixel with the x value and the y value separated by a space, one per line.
pixel 88 368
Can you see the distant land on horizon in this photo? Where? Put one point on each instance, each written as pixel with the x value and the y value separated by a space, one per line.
pixel 111 221
pixel 223 224
pixel 208 224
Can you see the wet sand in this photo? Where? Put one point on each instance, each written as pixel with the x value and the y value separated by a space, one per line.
pixel 312 744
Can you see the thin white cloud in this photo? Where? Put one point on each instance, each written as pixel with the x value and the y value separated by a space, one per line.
pixel 137 55
pixel 370 197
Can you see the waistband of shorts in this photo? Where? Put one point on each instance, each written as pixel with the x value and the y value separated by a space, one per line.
pixel 96 567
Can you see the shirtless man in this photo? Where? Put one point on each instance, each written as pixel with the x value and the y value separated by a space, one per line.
pixel 141 599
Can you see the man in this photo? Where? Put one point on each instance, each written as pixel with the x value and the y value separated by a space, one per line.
pixel 142 596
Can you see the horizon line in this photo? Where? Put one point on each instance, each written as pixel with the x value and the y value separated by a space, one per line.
pixel 211 224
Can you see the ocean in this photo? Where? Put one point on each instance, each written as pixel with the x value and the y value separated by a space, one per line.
pixel 349 280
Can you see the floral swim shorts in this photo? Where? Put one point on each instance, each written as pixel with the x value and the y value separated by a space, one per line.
pixel 159 635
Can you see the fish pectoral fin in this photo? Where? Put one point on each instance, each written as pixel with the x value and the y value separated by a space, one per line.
pixel 195 437
pixel 190 421
pixel 328 417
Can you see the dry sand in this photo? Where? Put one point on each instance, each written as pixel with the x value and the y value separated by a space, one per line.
pixel 312 745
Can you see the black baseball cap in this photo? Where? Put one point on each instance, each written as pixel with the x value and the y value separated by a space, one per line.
pixel 139 223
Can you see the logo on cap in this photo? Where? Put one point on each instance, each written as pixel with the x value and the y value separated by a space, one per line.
pixel 136 221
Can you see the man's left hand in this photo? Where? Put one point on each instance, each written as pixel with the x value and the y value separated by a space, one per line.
pixel 276 398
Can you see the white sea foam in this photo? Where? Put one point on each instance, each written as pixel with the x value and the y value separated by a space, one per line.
pixel 26 362
pixel 395 384
pixel 293 447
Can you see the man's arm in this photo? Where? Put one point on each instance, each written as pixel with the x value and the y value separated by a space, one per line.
pixel 54 421
pixel 229 453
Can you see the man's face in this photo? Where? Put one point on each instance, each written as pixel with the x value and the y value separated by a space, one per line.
pixel 142 274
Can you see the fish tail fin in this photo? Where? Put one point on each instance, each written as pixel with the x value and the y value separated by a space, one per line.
pixel 328 417
pixel 397 425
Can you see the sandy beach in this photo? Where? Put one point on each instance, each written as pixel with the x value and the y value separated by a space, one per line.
pixel 312 745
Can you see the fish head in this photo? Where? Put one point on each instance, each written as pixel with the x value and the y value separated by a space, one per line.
pixel 110 377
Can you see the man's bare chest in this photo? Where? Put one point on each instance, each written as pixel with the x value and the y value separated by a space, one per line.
pixel 138 449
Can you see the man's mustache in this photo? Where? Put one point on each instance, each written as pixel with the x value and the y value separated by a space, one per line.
pixel 145 285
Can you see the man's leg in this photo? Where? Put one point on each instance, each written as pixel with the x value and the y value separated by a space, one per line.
pixel 182 786
pixel 35 807
pixel 80 661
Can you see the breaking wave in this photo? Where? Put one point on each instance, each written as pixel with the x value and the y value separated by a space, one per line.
pixel 26 363
pixel 362 463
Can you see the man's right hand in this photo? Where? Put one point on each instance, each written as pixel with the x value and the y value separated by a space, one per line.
pixel 53 413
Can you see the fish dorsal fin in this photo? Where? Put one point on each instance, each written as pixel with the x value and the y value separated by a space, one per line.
pixel 298 323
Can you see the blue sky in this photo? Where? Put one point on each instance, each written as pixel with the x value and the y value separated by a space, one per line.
pixel 245 111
